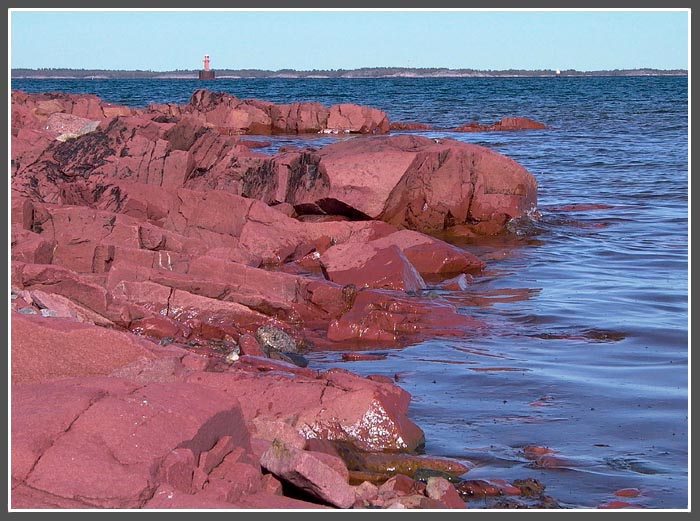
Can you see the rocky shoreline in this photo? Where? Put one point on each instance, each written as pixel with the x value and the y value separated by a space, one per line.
pixel 167 281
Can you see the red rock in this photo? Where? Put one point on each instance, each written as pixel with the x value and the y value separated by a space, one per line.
pixel 311 474
pixel 112 449
pixel 250 346
pixel 21 212
pixel 551 461
pixel 40 414
pixel 24 497
pixel 380 378
pixel 386 178
pixel 197 363
pixel 404 125
pixel 333 461
pixel 580 207
pixel 216 313
pixel 379 317
pixel 400 485
pixel 111 110
pixel 415 501
pixel 365 265
pixel 78 289
pixel 534 451
pixel 199 479
pixel 321 445
pixel 60 306
pixel 60 124
pixel 167 497
pixel 58 348
pixel 178 468
pixel 158 326
pixel 349 118
pixel 261 290
pixel 271 485
pixel 214 456
pixel 628 492
pixel 270 430
pixel 233 479
pixel 263 500
pixel 477 488
pixel 520 124
pixel 442 490
pixel 505 487
pixel 459 283
pixel 508 123
pixel 264 365
pixel 366 491
pixel 30 247
pixel 318 408
pixel 361 357
pixel 429 255
pixel 299 118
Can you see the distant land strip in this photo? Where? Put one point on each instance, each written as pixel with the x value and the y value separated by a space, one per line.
pixel 367 72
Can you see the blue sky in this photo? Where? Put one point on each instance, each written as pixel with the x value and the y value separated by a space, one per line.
pixel 335 39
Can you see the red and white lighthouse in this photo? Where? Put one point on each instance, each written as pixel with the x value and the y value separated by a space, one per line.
pixel 206 73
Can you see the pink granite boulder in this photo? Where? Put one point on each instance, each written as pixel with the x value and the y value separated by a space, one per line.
pixel 414 182
pixel 347 118
pixel 368 266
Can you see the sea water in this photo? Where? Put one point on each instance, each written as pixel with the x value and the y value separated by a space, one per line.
pixel 587 350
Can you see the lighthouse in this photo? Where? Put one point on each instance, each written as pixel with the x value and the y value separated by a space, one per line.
pixel 206 73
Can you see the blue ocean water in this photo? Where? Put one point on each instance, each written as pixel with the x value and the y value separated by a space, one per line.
pixel 588 350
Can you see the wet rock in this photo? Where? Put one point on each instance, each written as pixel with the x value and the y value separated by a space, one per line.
pixel 292 358
pixel 529 487
pixel 365 265
pixel 628 492
pixel 361 357
pixel 431 256
pixel 477 488
pixel 459 283
pixel 299 118
pixel 348 118
pixel 378 317
pixel 406 125
pixel 410 465
pixel 422 474
pixel 505 124
pixel 400 485
pixel 442 490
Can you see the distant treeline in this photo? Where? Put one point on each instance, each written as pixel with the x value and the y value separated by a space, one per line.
pixel 366 72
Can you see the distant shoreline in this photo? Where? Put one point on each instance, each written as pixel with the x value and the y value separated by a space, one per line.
pixel 376 72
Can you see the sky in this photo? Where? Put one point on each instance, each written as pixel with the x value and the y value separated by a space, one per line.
pixel 168 40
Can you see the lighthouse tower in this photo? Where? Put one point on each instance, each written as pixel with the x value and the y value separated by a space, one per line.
pixel 206 73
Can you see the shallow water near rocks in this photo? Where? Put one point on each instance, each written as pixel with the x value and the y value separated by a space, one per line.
pixel 587 347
